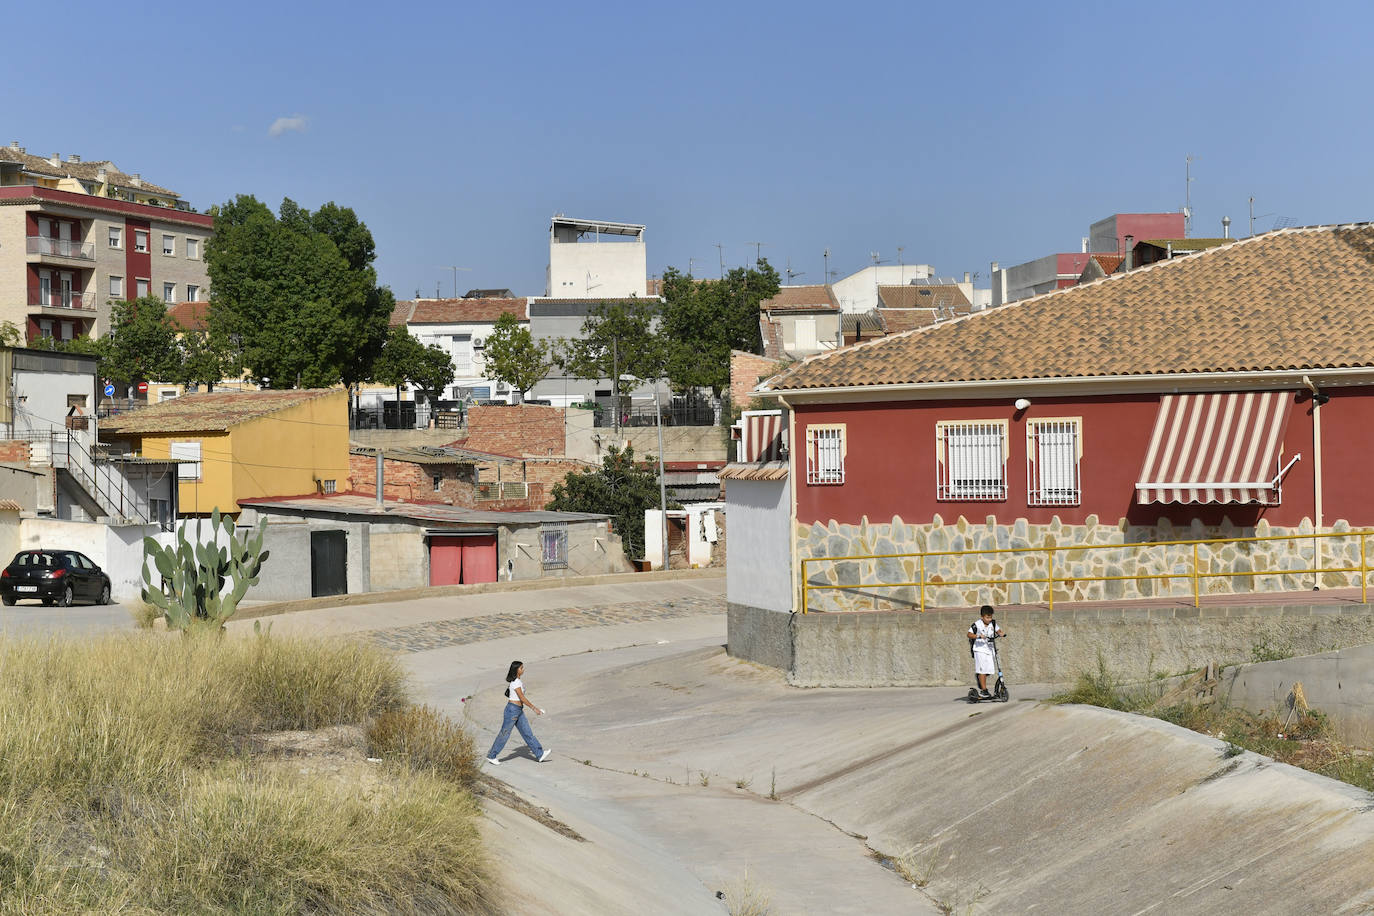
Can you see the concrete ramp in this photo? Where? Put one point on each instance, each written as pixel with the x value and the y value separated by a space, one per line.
pixel 1037 809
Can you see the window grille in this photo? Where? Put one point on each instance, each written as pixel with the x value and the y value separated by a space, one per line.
pixel 825 453
pixel 553 541
pixel 330 486
pixel 1053 452
pixel 971 459
pixel 506 489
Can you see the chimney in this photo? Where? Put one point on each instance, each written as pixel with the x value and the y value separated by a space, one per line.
pixel 73 158
pixel 1130 243
pixel 380 479
pixel 1086 241
pixel 100 174
pixel 1226 227
pixel 14 145
pixel 136 180
pixel 56 159
pixel 968 277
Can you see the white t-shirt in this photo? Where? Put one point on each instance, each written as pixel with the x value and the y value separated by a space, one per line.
pixel 984 632
pixel 515 685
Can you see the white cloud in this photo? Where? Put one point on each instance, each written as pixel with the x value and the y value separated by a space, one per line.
pixel 282 125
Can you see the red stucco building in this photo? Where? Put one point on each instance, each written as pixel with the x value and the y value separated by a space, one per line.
pixel 1225 394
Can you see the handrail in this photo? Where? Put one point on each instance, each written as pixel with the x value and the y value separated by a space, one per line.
pixel 1051 579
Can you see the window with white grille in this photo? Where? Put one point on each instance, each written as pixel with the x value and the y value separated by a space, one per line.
pixel 825 451
pixel 553 543
pixel 1053 453
pixel 971 459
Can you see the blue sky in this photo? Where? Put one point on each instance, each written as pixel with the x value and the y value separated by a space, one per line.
pixel 964 133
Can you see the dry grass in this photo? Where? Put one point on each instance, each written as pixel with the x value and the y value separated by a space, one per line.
pixel 129 785
pixel 423 739
pixel 744 897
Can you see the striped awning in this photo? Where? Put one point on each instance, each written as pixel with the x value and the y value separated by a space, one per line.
pixel 1216 448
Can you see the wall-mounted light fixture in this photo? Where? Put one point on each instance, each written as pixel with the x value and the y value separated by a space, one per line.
pixel 1021 403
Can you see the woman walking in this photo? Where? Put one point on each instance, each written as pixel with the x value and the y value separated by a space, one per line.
pixel 516 701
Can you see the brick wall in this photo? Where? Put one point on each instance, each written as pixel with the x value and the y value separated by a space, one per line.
pixel 14 450
pixel 745 369
pixel 541 475
pixel 517 430
pixel 411 482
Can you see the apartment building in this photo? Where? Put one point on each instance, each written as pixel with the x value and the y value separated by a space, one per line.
pixel 77 236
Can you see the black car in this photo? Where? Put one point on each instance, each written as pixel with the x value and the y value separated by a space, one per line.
pixel 58 577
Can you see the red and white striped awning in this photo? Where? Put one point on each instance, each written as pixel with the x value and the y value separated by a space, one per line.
pixel 762 436
pixel 1216 448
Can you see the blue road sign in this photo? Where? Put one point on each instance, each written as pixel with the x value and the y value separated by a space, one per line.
pixel 109 391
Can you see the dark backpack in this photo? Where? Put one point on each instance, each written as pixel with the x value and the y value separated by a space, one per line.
pixel 972 627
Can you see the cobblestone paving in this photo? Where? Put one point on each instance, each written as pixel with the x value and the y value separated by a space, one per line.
pixel 440 634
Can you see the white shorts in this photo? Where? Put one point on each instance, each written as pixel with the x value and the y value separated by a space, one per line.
pixel 982 662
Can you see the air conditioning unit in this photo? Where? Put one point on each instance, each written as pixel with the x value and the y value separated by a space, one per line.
pixel 478 343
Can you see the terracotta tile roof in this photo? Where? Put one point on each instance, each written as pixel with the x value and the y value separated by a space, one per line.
pixel 1108 262
pixel 922 296
pixel 1186 244
pixel 895 321
pixel 401 313
pixel 868 321
pixel 86 171
pixel 190 316
pixel 1288 300
pixel 460 311
pixel 211 411
pixel 801 298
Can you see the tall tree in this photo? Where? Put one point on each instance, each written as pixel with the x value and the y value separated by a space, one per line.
pixel 703 320
pixel 143 345
pixel 621 488
pixel 207 358
pixel 298 291
pixel 618 338
pixel 513 356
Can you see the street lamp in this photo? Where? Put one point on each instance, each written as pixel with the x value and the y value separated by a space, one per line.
pixel 662 488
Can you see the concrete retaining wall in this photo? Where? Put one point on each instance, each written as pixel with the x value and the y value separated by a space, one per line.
pixel 1339 683
pixel 884 648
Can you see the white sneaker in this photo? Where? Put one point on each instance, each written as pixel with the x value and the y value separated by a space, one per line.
pixel 493 761
pixel 545 756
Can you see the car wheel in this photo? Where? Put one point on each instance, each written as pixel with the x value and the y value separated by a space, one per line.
pixel 66 599
pixel 9 600
pixel 104 595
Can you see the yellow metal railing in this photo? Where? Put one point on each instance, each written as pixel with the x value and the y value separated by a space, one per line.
pixel 1050 579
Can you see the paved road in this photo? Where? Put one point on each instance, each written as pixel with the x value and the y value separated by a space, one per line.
pixel 33 618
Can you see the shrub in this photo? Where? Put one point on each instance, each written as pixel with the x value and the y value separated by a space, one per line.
pixel 425 740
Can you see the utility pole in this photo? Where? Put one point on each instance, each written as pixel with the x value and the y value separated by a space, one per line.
pixel 455 278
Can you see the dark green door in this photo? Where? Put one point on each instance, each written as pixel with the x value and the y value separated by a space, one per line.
pixel 328 563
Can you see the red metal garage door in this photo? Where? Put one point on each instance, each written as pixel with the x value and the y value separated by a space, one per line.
pixel 479 558
pixel 446 560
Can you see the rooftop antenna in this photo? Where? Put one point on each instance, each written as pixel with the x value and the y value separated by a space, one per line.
pixel 455 278
pixel 758 250
pixel 720 250
pixel 793 273
pixel 901 265
pixel 690 262
pixel 1188 195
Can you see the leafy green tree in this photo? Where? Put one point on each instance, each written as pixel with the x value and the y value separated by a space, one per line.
pixel 144 343
pixel 622 488
pixel 618 338
pixel 514 357
pixel 298 291
pixel 703 320
pixel 404 359
pixel 207 357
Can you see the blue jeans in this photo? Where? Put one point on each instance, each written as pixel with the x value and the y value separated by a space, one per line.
pixel 515 718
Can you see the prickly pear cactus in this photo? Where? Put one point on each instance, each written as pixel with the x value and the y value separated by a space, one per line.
pixel 203 582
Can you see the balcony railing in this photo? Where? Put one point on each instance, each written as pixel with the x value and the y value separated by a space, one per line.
pixel 62 248
pixel 60 300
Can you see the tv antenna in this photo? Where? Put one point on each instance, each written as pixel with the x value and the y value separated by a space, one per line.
pixel 1188 194
pixel 793 273
pixel 690 262
pixel 720 250
pixel 758 250
pixel 455 278
pixel 901 264
pixel 1253 217
pixel 828 272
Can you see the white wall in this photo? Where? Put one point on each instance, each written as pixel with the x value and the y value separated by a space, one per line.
pixel 116 550
pixel 609 269
pixel 702 531
pixel 758 555
pixel 40 399
pixel 858 292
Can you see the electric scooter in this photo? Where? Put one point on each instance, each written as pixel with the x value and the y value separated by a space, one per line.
pixel 999 689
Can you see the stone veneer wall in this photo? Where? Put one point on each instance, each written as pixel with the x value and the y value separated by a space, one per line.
pixel 881 584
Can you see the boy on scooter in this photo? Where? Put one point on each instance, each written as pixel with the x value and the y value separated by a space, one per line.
pixel 980 635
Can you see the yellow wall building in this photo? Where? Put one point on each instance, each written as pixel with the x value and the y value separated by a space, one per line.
pixel 238 445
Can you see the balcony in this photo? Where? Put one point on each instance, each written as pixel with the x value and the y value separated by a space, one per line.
pixel 58 303
pixel 59 251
